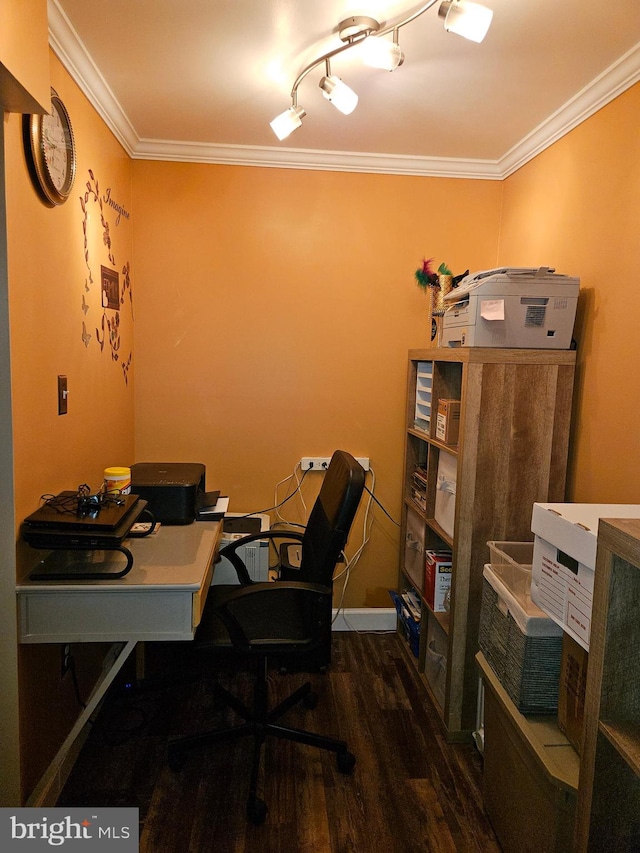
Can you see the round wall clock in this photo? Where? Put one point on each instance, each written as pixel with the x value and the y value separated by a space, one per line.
pixel 51 151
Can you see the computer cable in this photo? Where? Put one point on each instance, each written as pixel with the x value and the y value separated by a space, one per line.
pixel 278 505
pixel 366 535
pixel 82 502
pixel 294 474
pixel 346 571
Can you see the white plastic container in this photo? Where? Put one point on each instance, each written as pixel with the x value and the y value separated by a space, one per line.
pixel 512 562
pixel 117 481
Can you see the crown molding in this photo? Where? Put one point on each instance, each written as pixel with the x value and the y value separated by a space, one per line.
pixel 304 158
pixel 66 44
pixel 615 80
pixel 68 47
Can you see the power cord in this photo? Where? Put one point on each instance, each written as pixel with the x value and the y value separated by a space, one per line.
pixel 351 562
pixel 389 516
pixel 277 505
pixel 366 535
pixel 346 571
pixel 82 502
pixel 298 490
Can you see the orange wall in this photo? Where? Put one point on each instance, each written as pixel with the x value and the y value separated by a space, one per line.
pixel 577 207
pixel 24 55
pixel 274 310
pixel 48 281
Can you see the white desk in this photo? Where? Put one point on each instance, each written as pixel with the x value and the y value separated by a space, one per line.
pixel 161 598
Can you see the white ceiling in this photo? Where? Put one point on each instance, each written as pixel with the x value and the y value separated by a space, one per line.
pixel 200 80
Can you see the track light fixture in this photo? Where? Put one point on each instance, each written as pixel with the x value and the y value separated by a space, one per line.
pixel 341 96
pixel 381 53
pixel 466 19
pixel 288 121
pixel 462 17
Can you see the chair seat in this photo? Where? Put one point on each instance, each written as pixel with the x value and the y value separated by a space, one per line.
pixel 293 629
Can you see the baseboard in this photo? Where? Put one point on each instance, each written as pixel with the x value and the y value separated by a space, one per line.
pixel 365 619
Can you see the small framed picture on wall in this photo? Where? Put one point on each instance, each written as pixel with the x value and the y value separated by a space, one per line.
pixel 110 288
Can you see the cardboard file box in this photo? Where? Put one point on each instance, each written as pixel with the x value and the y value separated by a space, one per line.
pixel 445 507
pixel 564 559
pixel 521 644
pixel 571 694
pixel 437 579
pixel 448 421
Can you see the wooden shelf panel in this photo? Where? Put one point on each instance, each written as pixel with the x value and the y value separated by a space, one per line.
pixel 625 738
pixel 433 524
pixel 609 795
pixel 485 355
pixel 555 754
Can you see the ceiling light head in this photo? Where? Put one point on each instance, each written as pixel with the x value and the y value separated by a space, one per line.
pixel 288 121
pixel 341 96
pixel 381 53
pixel 466 19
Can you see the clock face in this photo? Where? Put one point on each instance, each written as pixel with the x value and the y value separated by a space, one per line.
pixel 55 146
pixel 52 152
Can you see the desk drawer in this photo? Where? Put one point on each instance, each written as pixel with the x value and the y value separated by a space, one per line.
pixel 77 616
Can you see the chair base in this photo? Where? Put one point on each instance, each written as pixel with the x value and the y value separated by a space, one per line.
pixel 260 723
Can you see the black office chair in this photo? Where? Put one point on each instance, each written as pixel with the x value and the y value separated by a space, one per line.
pixel 287 617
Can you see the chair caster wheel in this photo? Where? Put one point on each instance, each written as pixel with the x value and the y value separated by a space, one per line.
pixel 176 759
pixel 346 761
pixel 256 810
pixel 310 700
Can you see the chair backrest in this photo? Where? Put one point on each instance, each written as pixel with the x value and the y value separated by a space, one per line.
pixel 331 518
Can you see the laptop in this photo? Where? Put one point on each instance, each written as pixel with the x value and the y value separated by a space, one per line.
pixel 64 522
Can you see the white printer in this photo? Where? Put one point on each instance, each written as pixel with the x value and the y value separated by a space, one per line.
pixel 255 554
pixel 519 307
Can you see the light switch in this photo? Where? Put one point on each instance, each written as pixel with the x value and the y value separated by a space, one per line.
pixel 62 395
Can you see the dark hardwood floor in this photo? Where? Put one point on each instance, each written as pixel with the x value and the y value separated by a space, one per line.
pixel 410 790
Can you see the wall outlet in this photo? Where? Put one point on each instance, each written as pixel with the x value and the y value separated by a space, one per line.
pixel 321 463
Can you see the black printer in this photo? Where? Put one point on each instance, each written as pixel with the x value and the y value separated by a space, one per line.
pixel 172 489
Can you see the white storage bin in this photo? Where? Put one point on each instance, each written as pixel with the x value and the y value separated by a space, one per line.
pixel 512 561
pixel 414 554
pixel 445 507
pixel 435 659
